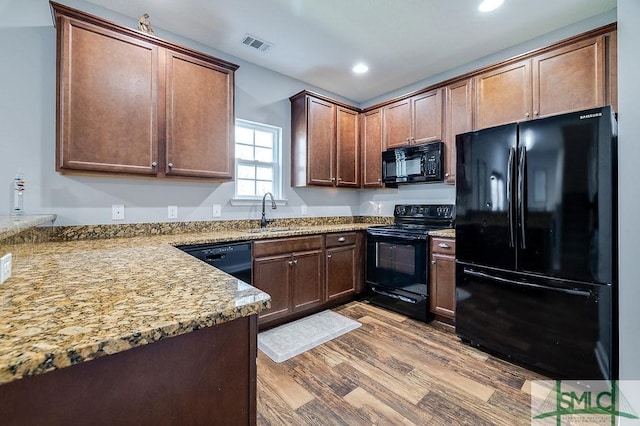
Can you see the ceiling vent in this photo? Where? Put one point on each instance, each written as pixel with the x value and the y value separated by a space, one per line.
pixel 256 43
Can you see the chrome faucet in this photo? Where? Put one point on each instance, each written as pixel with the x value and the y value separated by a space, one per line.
pixel 264 221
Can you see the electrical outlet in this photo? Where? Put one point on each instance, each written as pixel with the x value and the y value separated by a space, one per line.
pixel 117 212
pixel 304 210
pixel 217 210
pixel 378 208
pixel 5 267
pixel 172 212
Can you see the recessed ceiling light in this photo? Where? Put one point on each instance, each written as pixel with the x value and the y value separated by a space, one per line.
pixel 360 69
pixel 489 5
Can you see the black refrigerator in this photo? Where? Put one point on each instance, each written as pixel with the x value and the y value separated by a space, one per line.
pixel 536 244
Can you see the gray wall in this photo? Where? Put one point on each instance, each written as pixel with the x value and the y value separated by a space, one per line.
pixel 628 192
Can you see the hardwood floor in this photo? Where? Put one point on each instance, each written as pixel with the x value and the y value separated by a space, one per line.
pixel 390 371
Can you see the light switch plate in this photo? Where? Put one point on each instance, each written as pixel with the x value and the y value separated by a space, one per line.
pixel 217 210
pixel 5 267
pixel 117 212
pixel 304 210
pixel 172 212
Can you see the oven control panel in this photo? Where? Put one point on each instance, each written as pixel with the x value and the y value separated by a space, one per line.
pixel 436 211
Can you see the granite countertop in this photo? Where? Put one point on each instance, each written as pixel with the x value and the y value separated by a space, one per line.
pixel 444 233
pixel 12 225
pixel 70 302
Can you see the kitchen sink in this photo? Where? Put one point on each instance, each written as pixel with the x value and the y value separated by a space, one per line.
pixel 271 230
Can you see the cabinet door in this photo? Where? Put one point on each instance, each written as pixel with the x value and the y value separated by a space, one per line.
pixel 341 271
pixel 347 148
pixel 503 95
pixel 199 118
pixel 306 280
pixel 443 284
pixel 568 79
pixel 397 124
pixel 458 119
pixel 107 102
pixel 372 149
pixel 321 142
pixel 272 275
pixel 426 117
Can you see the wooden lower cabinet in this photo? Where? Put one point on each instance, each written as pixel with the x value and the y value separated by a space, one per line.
pixel 207 376
pixel 307 274
pixel 442 278
pixel 344 265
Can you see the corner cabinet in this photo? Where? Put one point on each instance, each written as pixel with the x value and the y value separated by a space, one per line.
pixel 130 103
pixel 442 278
pixel 325 142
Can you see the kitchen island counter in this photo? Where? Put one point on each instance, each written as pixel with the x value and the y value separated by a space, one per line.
pixel 71 302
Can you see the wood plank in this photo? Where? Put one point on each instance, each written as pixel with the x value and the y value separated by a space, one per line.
pixel 394 370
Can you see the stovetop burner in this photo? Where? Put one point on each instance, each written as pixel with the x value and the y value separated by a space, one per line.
pixel 419 219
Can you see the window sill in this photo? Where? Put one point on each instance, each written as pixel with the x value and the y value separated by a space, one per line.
pixel 254 202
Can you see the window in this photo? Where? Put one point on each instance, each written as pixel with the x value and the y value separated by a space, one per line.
pixel 257 149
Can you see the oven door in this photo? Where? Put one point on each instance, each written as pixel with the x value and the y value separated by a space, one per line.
pixel 397 262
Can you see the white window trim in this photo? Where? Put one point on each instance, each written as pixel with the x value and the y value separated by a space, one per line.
pixel 277 169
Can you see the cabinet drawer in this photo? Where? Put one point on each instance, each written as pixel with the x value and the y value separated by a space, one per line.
pixel 340 239
pixel 443 245
pixel 286 245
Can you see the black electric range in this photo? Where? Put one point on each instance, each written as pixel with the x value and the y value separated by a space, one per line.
pixel 397 258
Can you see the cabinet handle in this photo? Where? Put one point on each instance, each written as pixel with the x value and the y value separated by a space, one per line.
pixel 329 256
pixel 170 165
pixel 433 262
pixel 379 180
pixel 526 114
pixel 333 179
pixel 535 113
pixel 446 175
pixel 444 245
pixel 291 262
pixel 339 179
pixel 154 164
pixel 295 262
pixel 341 240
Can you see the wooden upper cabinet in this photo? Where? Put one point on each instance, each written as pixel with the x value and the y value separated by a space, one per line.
pixel 397 124
pixel 136 104
pixel 565 79
pixel 372 149
pixel 321 142
pixel 107 92
pixel 325 142
pixel 417 119
pixel 612 69
pixel 458 119
pixel 503 95
pixel 569 78
pixel 347 147
pixel 426 117
pixel 199 120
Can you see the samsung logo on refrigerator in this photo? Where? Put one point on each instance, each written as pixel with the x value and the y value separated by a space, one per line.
pixel 582 117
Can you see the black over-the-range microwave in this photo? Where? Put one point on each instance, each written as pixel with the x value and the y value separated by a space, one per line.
pixel 413 164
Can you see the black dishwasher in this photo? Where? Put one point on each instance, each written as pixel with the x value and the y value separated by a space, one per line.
pixel 232 258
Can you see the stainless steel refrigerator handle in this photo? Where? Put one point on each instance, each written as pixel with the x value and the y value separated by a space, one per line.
pixel 522 163
pixel 525 284
pixel 512 154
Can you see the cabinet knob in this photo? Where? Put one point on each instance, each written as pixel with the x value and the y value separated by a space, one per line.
pixel 339 179
pixel 170 165
pixel 329 256
pixel 154 164
pixel 526 114
pixel 433 262
pixel 379 180
pixel 333 179
pixel 536 113
pixel 291 263
pixel 446 175
pixel 295 262
pixel 444 245
pixel 341 240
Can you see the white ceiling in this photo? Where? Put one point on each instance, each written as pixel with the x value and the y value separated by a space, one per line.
pixel 402 41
